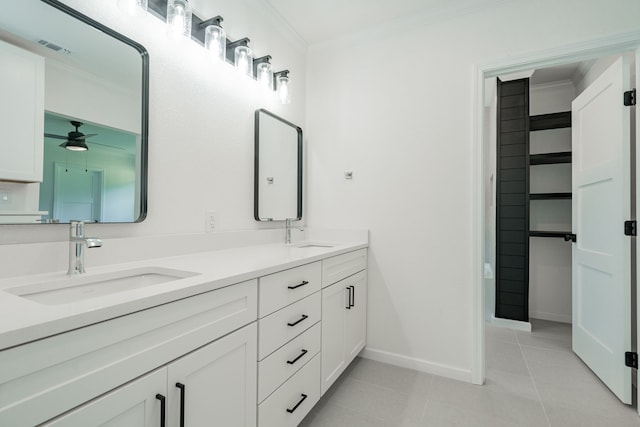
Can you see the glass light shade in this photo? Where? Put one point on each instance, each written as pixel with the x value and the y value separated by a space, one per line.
pixel 179 18
pixel 264 75
pixel 244 60
pixel 283 89
pixel 133 7
pixel 215 41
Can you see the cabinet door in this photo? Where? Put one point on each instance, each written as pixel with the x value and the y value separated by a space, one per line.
pixel 335 303
pixel 356 335
pixel 21 114
pixel 218 383
pixel 133 405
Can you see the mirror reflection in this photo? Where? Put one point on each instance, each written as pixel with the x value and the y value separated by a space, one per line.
pixel 278 168
pixel 73 116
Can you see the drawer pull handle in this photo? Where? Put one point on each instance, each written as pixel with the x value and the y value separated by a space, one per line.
pixel 292 410
pixel 304 316
pixel 351 298
pixel 163 404
pixel 182 393
pixel 304 282
pixel 291 362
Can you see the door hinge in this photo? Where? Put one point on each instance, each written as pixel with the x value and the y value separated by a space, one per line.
pixel 630 97
pixel 630 228
pixel 631 359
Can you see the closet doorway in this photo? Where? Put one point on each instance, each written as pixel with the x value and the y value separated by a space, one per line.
pixel 551 217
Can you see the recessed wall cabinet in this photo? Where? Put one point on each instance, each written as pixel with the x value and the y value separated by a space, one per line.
pixel 245 355
pixel 21 114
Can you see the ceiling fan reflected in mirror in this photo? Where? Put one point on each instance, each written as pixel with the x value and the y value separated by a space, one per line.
pixel 75 140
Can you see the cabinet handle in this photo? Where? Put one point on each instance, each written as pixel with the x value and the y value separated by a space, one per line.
pixel 349 297
pixel 304 282
pixel 291 411
pixel 291 362
pixel 162 400
pixel 182 393
pixel 353 296
pixel 304 316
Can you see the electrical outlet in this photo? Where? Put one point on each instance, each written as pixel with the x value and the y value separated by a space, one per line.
pixel 211 221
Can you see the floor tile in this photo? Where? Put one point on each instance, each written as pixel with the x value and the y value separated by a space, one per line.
pixel 402 380
pixel 497 333
pixel 506 357
pixel 438 414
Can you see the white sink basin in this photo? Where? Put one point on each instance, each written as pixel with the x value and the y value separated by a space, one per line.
pixel 77 288
pixel 313 245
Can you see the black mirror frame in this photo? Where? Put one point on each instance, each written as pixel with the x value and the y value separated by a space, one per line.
pixel 256 179
pixel 144 131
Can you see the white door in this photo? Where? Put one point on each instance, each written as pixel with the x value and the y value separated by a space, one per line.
pixel 357 316
pixel 133 405
pixel 601 203
pixel 217 382
pixel 77 193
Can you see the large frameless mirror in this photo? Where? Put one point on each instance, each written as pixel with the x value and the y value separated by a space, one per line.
pixel 278 168
pixel 73 118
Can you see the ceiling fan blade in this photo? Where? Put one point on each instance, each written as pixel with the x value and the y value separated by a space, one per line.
pixel 50 135
pixel 78 138
pixel 105 145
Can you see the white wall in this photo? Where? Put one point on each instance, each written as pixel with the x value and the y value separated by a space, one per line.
pixel 201 122
pixel 395 105
pixel 550 258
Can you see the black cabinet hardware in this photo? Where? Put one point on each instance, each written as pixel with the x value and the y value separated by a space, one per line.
pixel 182 393
pixel 163 407
pixel 353 296
pixel 304 282
pixel 631 359
pixel 630 228
pixel 570 238
pixel 304 316
pixel 538 233
pixel 291 362
pixel 348 289
pixel 291 411
pixel 630 98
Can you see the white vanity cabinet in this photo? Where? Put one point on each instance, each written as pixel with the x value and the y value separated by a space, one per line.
pixel 21 114
pixel 344 314
pixel 48 377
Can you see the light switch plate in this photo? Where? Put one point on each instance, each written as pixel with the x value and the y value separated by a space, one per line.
pixel 5 196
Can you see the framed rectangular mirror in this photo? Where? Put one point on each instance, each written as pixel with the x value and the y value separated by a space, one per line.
pixel 73 118
pixel 278 168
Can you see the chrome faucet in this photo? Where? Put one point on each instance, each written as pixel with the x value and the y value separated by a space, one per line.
pixel 77 242
pixel 287 233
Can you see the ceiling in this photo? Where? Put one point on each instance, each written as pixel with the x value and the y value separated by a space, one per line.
pixel 317 21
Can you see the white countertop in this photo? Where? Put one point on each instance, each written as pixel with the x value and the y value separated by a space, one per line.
pixel 23 320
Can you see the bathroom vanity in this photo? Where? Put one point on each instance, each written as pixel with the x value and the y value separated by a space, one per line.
pixel 250 336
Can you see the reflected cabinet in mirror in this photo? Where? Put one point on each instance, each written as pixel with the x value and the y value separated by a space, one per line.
pixel 278 168
pixel 73 118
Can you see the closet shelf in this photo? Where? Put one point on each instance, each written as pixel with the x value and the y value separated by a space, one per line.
pixel 549 196
pixel 560 234
pixel 550 121
pixel 550 158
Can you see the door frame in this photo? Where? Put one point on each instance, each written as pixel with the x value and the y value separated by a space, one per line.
pixel 619 43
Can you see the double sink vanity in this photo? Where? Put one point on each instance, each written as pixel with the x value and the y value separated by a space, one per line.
pixel 250 336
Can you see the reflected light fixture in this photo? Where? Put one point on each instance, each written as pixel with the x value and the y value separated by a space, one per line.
pixel 263 71
pixel 281 86
pixel 179 17
pixel 133 7
pixel 215 38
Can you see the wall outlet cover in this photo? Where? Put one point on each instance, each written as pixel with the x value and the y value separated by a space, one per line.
pixel 211 221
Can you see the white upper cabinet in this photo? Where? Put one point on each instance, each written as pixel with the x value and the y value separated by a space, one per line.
pixel 21 114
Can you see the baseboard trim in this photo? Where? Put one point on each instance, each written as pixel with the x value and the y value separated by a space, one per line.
pixel 511 324
pixel 417 364
pixel 563 318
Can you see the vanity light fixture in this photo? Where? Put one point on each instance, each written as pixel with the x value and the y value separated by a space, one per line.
pixel 263 70
pixel 179 17
pixel 215 38
pixel 281 86
pixel 242 56
pixel 133 7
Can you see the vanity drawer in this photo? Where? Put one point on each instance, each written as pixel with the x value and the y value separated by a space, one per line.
pixel 42 379
pixel 287 406
pixel 280 327
pixel 286 361
pixel 285 287
pixel 339 267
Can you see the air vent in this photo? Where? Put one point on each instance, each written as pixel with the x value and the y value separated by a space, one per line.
pixel 54 47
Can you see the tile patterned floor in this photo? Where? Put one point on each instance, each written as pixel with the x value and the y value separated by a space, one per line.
pixel 533 379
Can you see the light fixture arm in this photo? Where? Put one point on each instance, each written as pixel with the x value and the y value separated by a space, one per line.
pixel 284 73
pixel 216 20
